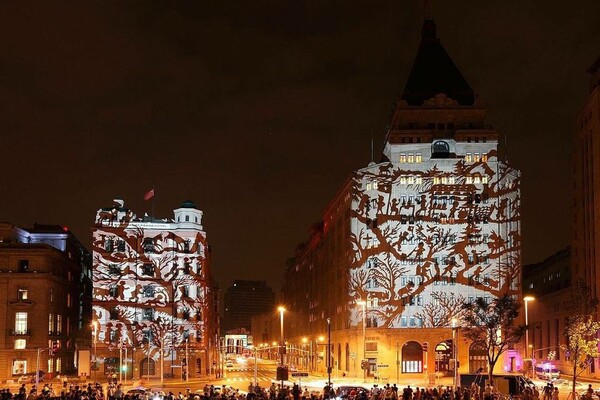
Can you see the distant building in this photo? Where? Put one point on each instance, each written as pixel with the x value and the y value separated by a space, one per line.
pixel 45 300
pixel 243 300
pixel 549 283
pixel 407 240
pixel 154 294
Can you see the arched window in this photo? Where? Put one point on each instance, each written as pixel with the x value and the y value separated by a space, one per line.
pixel 477 358
pixel 412 357
pixel 147 366
pixel 339 356
pixel 347 357
pixel 443 354
pixel 440 149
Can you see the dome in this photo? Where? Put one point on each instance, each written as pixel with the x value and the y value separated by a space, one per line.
pixel 188 204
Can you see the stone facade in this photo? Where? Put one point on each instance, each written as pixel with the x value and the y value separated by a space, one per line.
pixel 45 300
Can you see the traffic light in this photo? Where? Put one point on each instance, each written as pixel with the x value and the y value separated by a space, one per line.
pixel 282 373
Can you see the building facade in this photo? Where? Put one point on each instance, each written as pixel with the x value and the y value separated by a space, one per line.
pixel 45 300
pixel 154 294
pixel 407 240
pixel 243 300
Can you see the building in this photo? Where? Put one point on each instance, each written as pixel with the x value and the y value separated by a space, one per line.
pixel 549 284
pixel 586 233
pixel 585 244
pixel 154 294
pixel 243 300
pixel 45 300
pixel 407 240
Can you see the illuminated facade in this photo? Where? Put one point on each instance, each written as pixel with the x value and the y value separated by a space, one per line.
pixel 436 223
pixel 153 293
pixel 46 300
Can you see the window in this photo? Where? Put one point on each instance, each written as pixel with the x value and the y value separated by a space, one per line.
pixel 186 246
pixel 120 245
pixel 148 245
pixel 108 245
pixel 469 180
pixel 113 313
pixel 51 295
pixel 22 294
pixel 149 290
pixel 113 291
pixel 418 158
pixel 187 218
pixel 50 323
pixel 418 180
pixel 403 180
pixel 440 149
pixel 402 157
pixel 20 344
pixel 148 270
pixel 19 367
pixel 484 179
pixel 475 157
pixel 484 157
pixel 50 365
pixel 468 157
pixel 371 346
pixel 20 323
pixel 436 180
pixel 148 314
pixel 23 265
pixel 411 158
pixel 58 323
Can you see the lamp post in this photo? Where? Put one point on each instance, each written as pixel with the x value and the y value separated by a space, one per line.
pixel 95 325
pixel 281 310
pixel 454 352
pixel 527 299
pixel 364 338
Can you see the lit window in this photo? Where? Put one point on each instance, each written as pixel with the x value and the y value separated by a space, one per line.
pixel 418 158
pixel 444 180
pixel 369 186
pixel 418 180
pixel 468 157
pixel 58 366
pixel 475 157
pixel 403 180
pixel 375 186
pixel 469 180
pixel 402 157
pixel 451 180
pixel 436 180
pixel 22 294
pixel 19 367
pixel 58 323
pixel 50 365
pixel 484 157
pixel 410 180
pixel 411 158
pixel 51 323
pixel 484 179
pixel 20 344
pixel 21 322
pixel 477 179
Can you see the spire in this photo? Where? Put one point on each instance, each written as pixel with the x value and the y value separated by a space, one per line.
pixel 434 72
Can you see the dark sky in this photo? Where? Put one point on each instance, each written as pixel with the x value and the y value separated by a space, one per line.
pixel 258 111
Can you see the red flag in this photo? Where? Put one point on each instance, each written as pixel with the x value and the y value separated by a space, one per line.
pixel 149 194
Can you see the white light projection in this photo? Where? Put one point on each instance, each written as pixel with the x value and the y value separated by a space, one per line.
pixel 150 281
pixel 429 238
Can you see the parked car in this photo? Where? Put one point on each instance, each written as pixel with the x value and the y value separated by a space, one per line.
pixel 229 364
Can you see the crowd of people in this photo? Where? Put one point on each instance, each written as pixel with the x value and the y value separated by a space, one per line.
pixel 114 391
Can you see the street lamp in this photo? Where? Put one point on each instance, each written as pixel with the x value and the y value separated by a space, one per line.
pixel 281 310
pixel 527 299
pixel 95 326
pixel 364 332
pixel 454 352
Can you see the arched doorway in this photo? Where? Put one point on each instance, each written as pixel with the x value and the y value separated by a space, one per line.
pixel 477 358
pixel 412 357
pixel 147 368
pixel 443 354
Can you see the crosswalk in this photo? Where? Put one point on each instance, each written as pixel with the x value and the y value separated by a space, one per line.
pixel 250 369
pixel 248 379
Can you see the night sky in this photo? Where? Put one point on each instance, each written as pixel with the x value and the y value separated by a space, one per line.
pixel 258 111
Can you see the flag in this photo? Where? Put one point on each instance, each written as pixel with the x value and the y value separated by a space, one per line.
pixel 149 194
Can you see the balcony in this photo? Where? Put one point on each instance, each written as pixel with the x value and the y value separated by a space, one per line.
pixel 19 332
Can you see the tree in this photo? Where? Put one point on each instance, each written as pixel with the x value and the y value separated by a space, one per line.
pixel 492 326
pixel 581 329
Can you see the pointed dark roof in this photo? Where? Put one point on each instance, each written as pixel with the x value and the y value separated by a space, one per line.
pixel 434 72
